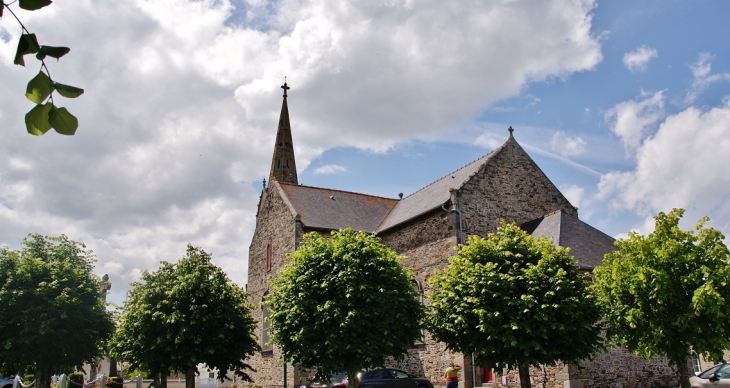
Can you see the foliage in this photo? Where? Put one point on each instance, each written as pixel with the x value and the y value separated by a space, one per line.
pixel 44 115
pixel 184 314
pixel 75 380
pixel 344 302
pixel 668 293
pixel 52 312
pixel 514 301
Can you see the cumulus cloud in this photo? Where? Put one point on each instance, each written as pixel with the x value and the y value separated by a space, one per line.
pixel 178 120
pixel 702 78
pixel 631 120
pixel 638 59
pixel 566 145
pixel 574 194
pixel 683 165
pixel 329 169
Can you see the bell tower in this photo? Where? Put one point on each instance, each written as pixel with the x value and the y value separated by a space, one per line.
pixel 283 166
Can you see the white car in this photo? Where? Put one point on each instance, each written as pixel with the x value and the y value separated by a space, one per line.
pixel 717 376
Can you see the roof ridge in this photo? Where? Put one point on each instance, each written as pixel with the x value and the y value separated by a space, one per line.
pixel 485 156
pixel 337 190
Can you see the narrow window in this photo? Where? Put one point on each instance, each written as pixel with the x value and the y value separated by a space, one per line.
pixel 268 257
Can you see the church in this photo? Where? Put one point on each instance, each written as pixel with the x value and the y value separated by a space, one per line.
pixel 426 226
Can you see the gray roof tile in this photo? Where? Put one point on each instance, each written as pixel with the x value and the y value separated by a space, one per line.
pixel 433 195
pixel 336 209
pixel 587 244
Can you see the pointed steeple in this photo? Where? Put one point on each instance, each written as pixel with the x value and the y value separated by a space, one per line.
pixel 283 166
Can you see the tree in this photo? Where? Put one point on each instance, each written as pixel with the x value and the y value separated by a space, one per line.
pixel 185 314
pixel 52 313
pixel 344 302
pixel 43 116
pixel 668 293
pixel 514 301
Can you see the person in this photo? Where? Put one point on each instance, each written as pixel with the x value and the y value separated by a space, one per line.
pixel 452 376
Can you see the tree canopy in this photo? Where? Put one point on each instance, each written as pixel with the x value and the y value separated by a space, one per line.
pixel 514 301
pixel 344 302
pixel 52 312
pixel 44 115
pixel 184 314
pixel 668 293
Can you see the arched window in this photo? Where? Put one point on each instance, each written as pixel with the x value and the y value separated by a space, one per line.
pixel 269 253
pixel 265 345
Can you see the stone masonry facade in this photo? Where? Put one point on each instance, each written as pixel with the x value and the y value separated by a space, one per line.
pixel 507 185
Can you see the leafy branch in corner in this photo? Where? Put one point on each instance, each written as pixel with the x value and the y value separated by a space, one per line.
pixel 45 115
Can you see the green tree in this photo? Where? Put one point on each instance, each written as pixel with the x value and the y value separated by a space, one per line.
pixel 52 313
pixel 514 301
pixel 344 302
pixel 668 293
pixel 185 314
pixel 45 115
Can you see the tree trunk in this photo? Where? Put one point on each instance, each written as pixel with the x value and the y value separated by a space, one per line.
pixel 352 379
pixel 682 372
pixel 190 377
pixel 524 376
pixel 163 378
pixel 42 378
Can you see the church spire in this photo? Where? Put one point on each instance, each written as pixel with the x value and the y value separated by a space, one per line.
pixel 283 167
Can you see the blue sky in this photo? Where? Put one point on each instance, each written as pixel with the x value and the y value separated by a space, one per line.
pixel 624 105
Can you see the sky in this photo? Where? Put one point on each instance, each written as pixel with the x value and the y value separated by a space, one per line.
pixel 624 105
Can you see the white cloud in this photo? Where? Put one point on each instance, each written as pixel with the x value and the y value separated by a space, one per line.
pixel 638 59
pixel 329 169
pixel 631 120
pixel 178 120
pixel 702 67
pixel 683 165
pixel 702 78
pixel 566 145
pixel 574 194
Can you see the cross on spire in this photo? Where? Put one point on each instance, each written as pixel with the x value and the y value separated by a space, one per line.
pixel 510 130
pixel 285 87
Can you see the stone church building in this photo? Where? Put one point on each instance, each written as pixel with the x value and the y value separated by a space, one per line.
pixel 426 226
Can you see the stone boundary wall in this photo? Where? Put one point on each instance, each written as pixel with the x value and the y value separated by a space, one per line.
pixel 542 377
pixel 618 368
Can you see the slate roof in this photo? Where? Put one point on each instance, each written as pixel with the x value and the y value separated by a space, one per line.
pixel 336 209
pixel 435 194
pixel 587 244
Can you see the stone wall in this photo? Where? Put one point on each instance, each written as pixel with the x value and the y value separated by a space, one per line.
pixel 540 377
pixel 275 224
pixel 510 187
pixel 430 358
pixel 618 368
pixel 433 226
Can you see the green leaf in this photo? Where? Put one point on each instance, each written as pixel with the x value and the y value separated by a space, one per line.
pixel 36 121
pixel 28 44
pixel 68 91
pixel 51 51
pixel 62 121
pixel 39 88
pixel 32 5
